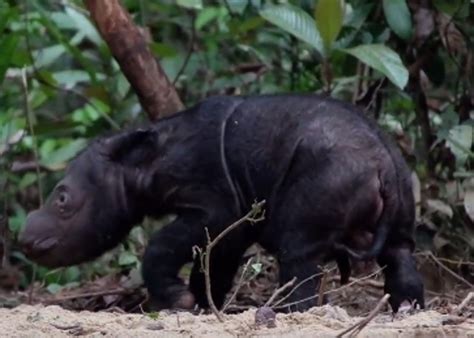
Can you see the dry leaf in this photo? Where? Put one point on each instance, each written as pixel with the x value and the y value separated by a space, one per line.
pixel 452 38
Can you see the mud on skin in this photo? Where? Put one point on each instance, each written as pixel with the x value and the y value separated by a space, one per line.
pixel 328 174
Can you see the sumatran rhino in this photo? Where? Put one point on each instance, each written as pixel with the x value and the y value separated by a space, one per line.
pixel 328 174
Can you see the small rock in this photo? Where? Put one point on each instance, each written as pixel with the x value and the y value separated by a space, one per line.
pixel 265 316
pixel 155 326
pixel 34 317
pixel 453 320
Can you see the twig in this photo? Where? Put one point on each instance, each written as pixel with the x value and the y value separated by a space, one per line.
pixel 279 291
pixel 363 323
pixel 463 304
pixel 239 285
pixel 4 229
pixel 115 309
pixel 65 327
pixel 24 83
pixel 296 287
pixel 190 51
pixel 432 301
pixel 250 216
pixel 322 287
pixel 446 260
pixel 88 294
pixel 21 167
pixel 329 291
pixel 448 270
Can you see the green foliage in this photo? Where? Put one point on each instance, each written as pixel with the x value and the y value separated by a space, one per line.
pixel 329 15
pixel 76 92
pixel 398 17
pixel 295 21
pixel 384 60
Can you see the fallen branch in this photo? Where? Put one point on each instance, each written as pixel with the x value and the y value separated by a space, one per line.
pixel 329 291
pixel 254 215
pixel 296 287
pixel 279 291
pixel 448 270
pixel 88 294
pixel 446 260
pixel 463 304
pixel 322 287
pixel 356 328
pixel 65 327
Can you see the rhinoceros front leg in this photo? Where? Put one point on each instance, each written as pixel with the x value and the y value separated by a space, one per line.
pixel 402 279
pixel 168 250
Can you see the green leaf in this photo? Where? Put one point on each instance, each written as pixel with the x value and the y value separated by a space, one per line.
pixel 237 6
pixel 192 4
pixel 295 21
pixel 257 267
pixel 54 288
pixel 458 8
pixel 48 55
pixel 27 180
pixel 84 25
pixel 58 35
pixel 17 221
pixel 58 157
pixel 459 142
pixel 440 207
pixel 7 48
pixel 383 59
pixel 62 20
pixel 206 16
pixel 72 274
pixel 163 50
pixel 398 17
pixel 469 204
pixel 71 77
pixel 127 258
pixel 359 15
pixel 329 15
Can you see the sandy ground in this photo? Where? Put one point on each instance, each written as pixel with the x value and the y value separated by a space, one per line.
pixel 326 321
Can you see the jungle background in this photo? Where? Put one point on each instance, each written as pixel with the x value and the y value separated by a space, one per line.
pixel 406 63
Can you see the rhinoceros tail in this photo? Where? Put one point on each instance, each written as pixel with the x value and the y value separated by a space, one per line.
pixel 390 194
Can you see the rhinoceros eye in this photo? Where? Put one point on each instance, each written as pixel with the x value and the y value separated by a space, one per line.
pixel 63 198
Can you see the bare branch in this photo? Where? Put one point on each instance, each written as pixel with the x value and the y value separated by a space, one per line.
pixel 296 287
pixel 277 306
pixel 279 291
pixel 463 304
pixel 249 217
pixel 356 328
pixel 448 270
pixel 322 287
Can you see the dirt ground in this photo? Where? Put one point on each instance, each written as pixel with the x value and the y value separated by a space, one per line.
pixel 111 306
pixel 325 321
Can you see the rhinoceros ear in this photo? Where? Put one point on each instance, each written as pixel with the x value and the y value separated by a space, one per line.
pixel 132 148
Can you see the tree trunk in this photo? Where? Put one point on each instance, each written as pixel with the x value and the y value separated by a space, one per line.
pixel 128 45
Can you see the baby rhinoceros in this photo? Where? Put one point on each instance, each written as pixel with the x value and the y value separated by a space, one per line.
pixel 326 172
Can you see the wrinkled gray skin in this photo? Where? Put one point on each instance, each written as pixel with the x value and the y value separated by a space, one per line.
pixel 328 174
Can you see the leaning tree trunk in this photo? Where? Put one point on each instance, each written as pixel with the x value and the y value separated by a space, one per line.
pixel 128 45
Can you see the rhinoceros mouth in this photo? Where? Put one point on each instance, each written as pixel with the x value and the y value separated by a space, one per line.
pixel 40 247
